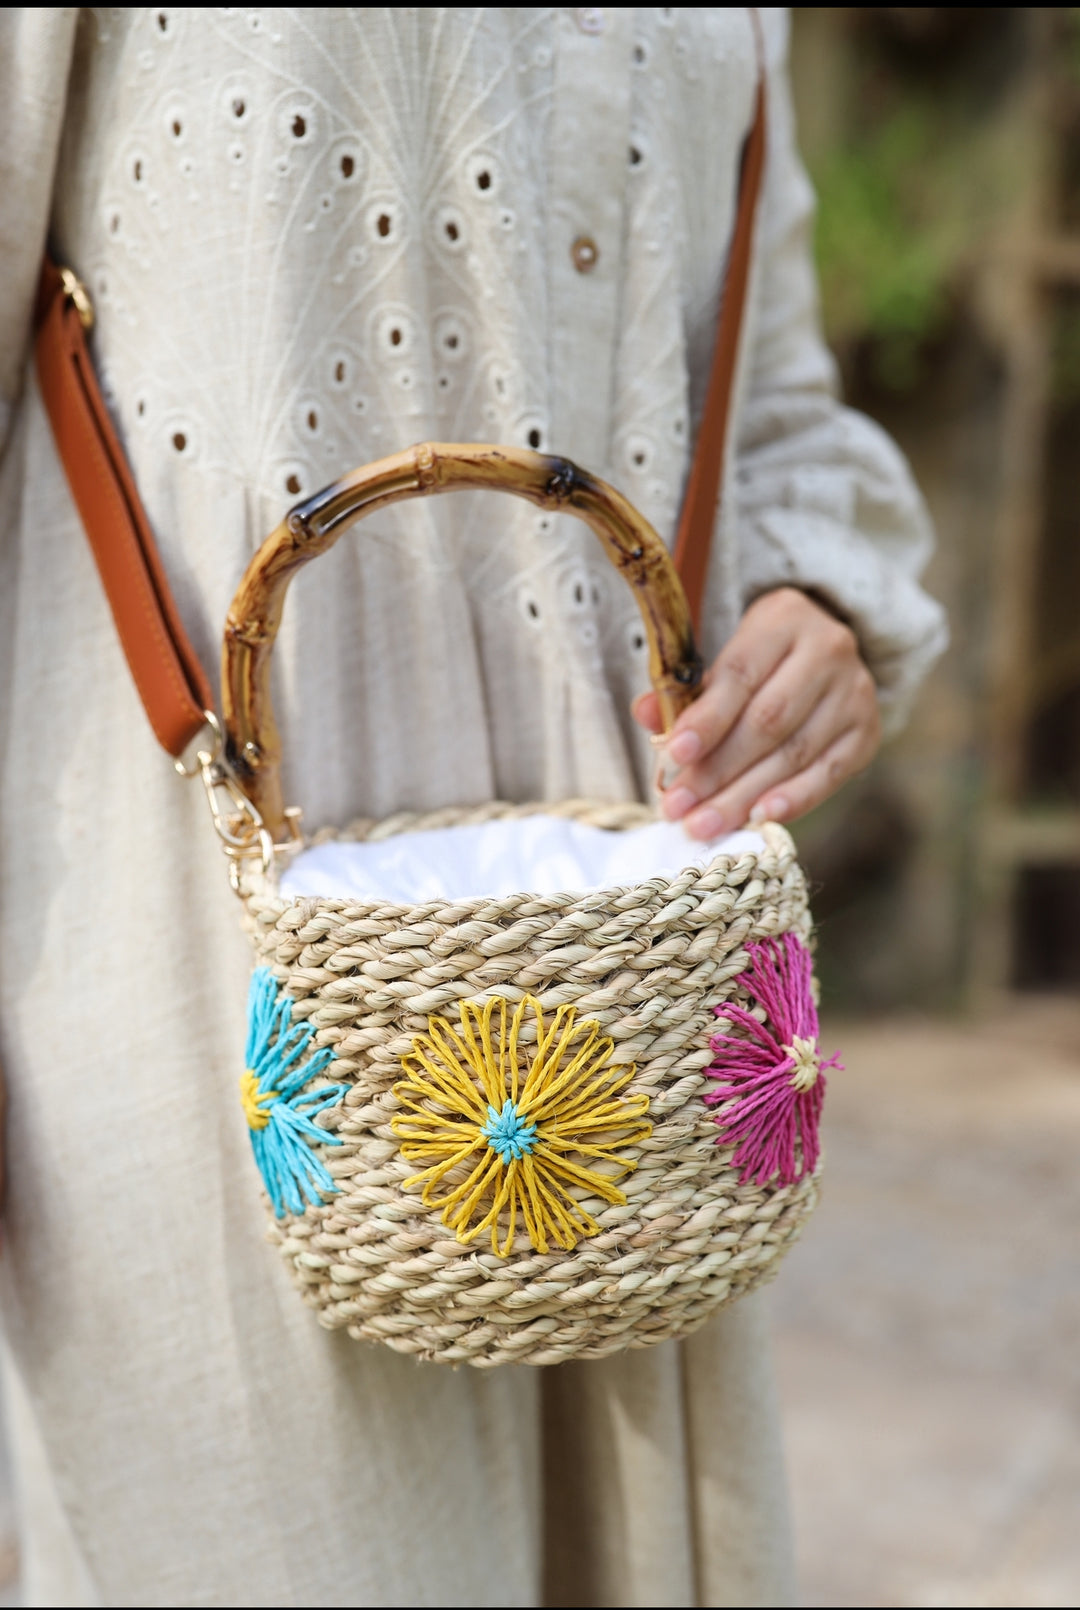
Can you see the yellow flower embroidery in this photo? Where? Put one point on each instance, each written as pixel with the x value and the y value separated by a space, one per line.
pixel 505 1125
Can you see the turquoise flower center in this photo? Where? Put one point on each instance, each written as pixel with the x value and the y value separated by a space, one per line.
pixel 508 1133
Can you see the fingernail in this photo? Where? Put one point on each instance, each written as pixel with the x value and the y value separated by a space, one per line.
pixel 706 824
pixel 678 802
pixel 684 747
pixel 770 810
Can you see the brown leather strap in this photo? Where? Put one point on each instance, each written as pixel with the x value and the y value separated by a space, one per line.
pixel 170 680
pixel 701 502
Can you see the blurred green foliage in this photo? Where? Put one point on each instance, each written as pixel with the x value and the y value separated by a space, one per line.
pixel 887 245
pixel 1065 351
pixel 1072 42
pixel 910 185
pixel 1065 341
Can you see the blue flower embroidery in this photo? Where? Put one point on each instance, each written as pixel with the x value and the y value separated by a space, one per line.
pixel 508 1133
pixel 277 1103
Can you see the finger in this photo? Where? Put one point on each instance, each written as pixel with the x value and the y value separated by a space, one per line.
pixel 773 715
pixel 843 759
pixel 748 659
pixel 849 702
pixel 646 711
pixel 729 808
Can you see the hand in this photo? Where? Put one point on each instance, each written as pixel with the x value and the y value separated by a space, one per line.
pixel 788 713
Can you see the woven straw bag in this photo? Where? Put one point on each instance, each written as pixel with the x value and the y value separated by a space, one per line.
pixel 488 1128
pixel 491 1130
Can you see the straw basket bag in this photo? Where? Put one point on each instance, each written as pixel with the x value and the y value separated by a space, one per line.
pixel 500 1126
pixel 485 1124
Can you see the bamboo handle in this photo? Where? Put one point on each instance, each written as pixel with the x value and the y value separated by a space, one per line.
pixel 253 744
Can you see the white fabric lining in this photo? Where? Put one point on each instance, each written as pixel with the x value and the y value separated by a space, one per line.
pixel 530 854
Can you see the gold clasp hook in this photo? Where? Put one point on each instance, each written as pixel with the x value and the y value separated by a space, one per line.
pixel 78 296
pixel 236 820
pixel 203 757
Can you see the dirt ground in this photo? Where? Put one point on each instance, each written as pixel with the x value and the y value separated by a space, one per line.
pixel 928 1324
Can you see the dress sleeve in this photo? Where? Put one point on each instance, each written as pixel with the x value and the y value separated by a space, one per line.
pixel 35 59
pixel 825 499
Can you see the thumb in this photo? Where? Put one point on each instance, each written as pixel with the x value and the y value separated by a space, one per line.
pixel 646 711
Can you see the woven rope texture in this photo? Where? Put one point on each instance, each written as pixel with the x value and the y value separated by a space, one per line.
pixel 648 964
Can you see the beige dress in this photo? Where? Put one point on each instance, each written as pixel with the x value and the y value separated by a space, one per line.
pixel 314 236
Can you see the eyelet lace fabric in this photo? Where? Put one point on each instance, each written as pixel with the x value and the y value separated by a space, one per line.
pixel 316 236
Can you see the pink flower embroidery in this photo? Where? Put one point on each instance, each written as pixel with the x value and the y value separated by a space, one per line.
pixel 774 1081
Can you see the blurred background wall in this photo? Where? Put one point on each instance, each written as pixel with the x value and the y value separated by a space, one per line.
pixel 945 146
pixel 926 1326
